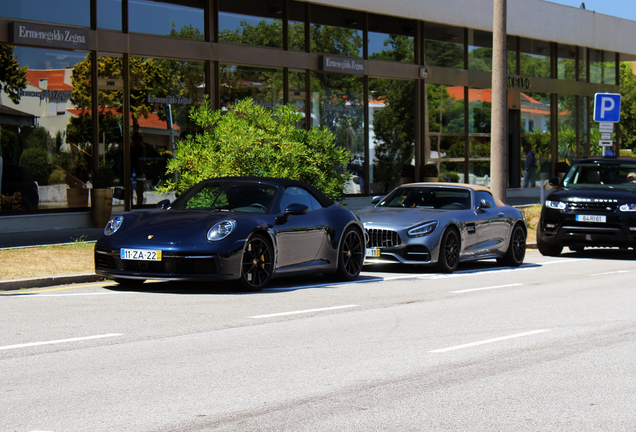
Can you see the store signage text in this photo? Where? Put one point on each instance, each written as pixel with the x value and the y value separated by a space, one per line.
pixel 46 94
pixel 520 83
pixel 49 35
pixel 178 100
pixel 342 64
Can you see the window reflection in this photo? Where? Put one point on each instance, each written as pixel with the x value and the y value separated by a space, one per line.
pixel 391 133
pixel 50 11
pixel 479 50
pixel 263 26
pixel 109 14
pixel 534 58
pixel 337 104
pixel 263 85
pixel 567 129
pixel 169 18
pixel 333 32
pixel 479 161
pixel 444 45
pixel 566 66
pixel 536 132
pixel 296 27
pixel 602 67
pixel 391 39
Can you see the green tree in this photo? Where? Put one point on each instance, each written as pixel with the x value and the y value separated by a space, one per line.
pixel 12 76
pixel 628 106
pixel 249 140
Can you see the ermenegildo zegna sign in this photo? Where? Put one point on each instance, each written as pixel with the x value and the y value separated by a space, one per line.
pixel 342 64
pixel 48 35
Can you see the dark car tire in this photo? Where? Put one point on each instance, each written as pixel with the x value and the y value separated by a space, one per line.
pixel 549 250
pixel 350 255
pixel 448 260
pixel 129 282
pixel 516 249
pixel 257 264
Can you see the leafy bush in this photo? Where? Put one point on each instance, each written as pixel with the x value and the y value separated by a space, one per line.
pixel 35 161
pixel 249 140
pixel 104 177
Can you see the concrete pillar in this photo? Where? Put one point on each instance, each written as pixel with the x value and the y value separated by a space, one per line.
pixel 499 136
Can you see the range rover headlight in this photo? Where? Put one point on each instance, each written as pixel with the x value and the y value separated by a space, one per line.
pixel 628 208
pixel 558 205
pixel 113 225
pixel 422 230
pixel 221 230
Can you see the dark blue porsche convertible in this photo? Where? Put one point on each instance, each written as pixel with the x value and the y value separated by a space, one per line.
pixel 248 229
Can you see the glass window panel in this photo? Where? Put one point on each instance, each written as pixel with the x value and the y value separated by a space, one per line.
pixel 479 161
pixel 263 85
pixel 338 32
pixel 479 50
pixel 479 110
pixel 512 55
pixel 567 129
pixel 297 26
pixel 337 104
pixel 566 67
pixel 391 133
pixel 391 39
pixel 297 94
pixel 583 123
pixel 46 149
pixel 109 14
pixel 444 46
pixel 602 67
pixel 167 18
pixel 583 53
pixel 536 132
pixel 50 11
pixel 445 106
pixel 447 153
pixel 263 26
pixel 535 58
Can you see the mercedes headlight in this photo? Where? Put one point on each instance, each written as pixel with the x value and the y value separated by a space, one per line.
pixel 113 225
pixel 221 230
pixel 628 208
pixel 422 230
pixel 558 205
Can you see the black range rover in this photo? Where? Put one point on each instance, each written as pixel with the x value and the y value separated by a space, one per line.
pixel 594 206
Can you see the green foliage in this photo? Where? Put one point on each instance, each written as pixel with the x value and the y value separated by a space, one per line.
pixel 628 106
pixel 12 76
pixel 249 140
pixel 104 177
pixel 34 160
pixel 38 138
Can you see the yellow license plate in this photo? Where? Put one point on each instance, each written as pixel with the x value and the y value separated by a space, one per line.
pixel 373 252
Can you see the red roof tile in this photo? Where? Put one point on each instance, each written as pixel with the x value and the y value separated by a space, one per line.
pixel 54 77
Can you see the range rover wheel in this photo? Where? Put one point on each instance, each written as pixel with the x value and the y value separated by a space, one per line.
pixel 548 249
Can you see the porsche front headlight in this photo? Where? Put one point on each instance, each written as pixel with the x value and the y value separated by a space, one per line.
pixel 422 230
pixel 113 225
pixel 221 230
pixel 558 205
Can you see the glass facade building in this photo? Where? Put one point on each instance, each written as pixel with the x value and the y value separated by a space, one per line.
pixel 111 82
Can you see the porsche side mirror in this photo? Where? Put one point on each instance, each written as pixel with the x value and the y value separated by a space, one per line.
pixel 376 199
pixel 296 209
pixel 554 181
pixel 483 204
pixel 163 204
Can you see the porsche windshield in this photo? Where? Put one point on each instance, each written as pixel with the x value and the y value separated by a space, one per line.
pixel 428 197
pixel 601 175
pixel 228 196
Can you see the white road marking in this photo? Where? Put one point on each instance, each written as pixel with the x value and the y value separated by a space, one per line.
pixel 564 261
pixel 487 341
pixel 303 311
pixel 59 341
pixel 487 288
pixel 70 294
pixel 609 273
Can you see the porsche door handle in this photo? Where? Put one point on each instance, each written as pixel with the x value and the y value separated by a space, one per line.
pixel 501 214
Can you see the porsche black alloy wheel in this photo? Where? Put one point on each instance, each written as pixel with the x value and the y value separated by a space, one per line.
pixel 257 264
pixel 350 255
pixel 449 251
pixel 516 249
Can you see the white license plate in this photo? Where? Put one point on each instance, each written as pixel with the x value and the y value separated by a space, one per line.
pixel 590 218
pixel 140 255
pixel 373 252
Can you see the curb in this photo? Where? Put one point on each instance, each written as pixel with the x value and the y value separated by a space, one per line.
pixel 47 281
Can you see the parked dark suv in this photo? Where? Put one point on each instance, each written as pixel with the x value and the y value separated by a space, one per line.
pixel 594 206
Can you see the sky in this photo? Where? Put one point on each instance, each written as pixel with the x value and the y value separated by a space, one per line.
pixel 618 8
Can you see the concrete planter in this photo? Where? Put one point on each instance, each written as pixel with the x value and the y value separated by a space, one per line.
pixel 102 205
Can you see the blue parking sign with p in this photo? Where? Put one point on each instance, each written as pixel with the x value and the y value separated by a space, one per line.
pixel 607 107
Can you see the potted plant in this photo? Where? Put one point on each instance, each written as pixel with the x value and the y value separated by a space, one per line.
pixel 430 173
pixel 102 194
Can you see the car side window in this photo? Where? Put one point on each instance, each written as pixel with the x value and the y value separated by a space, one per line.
pixel 483 195
pixel 296 195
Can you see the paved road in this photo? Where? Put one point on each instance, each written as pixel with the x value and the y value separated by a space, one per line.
pixel 548 346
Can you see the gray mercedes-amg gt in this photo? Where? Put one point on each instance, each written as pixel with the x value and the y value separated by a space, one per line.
pixel 443 224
